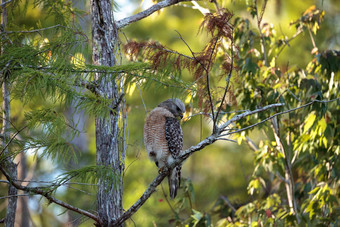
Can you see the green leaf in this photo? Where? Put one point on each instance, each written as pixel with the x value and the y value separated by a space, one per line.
pixel 197 216
pixel 322 126
pixel 309 122
pixel 311 209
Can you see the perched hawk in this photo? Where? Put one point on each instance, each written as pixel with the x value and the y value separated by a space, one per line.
pixel 163 138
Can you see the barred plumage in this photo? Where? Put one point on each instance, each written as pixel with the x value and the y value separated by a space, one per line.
pixel 163 138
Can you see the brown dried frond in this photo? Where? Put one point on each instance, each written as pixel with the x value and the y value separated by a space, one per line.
pixel 200 60
pixel 152 47
pixel 218 23
pixel 159 58
pixel 198 69
pixel 133 48
pixel 156 53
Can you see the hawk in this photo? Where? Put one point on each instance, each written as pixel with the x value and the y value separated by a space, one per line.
pixel 163 138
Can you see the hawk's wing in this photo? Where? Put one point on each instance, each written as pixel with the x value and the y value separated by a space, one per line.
pixel 174 137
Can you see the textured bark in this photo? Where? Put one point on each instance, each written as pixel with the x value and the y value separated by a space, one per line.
pixel 22 218
pixel 104 48
pixel 6 108
pixel 9 164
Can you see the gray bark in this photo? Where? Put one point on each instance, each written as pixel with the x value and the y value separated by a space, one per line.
pixel 23 218
pixel 104 48
pixel 9 164
pixel 6 108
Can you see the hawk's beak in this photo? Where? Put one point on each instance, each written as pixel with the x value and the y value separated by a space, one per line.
pixel 181 116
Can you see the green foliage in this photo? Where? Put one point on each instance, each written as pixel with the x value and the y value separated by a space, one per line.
pixel 52 146
pixel 90 175
pixel 296 169
pixel 50 71
pixel 308 135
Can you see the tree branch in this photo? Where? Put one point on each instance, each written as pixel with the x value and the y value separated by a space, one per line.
pixel 10 141
pixel 3 4
pixel 40 191
pixel 128 20
pixel 237 117
pixel 185 154
pixel 247 113
pixel 35 30
pixel 226 200
pixel 228 77
pixel 208 86
pixel 259 20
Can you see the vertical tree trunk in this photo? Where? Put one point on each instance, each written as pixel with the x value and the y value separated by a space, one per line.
pixel 6 108
pixel 104 39
pixel 9 165
pixel 22 215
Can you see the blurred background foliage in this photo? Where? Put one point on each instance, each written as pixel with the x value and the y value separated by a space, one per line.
pixel 225 183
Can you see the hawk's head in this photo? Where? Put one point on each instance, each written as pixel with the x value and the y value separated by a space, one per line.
pixel 175 106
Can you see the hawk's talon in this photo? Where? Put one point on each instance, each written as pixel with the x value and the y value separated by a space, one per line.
pixel 163 169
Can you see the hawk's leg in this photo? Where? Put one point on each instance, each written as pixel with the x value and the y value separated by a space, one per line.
pixel 164 169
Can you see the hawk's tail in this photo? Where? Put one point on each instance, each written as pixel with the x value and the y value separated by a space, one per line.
pixel 174 181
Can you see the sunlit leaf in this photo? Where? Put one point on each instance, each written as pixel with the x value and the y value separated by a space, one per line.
pixel 309 122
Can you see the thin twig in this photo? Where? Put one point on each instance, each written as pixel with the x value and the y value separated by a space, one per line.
pixel 226 200
pixel 44 193
pixel 259 20
pixel 281 177
pixel 229 140
pixel 224 126
pixel 192 52
pixel 17 195
pixel 141 97
pixel 10 141
pixel 36 30
pixel 228 77
pixel 208 85
pixel 286 42
pixel 311 37
pixel 269 118
pixel 206 69
pixel 251 144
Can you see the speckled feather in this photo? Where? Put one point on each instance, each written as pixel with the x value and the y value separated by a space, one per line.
pixel 163 138
pixel 174 136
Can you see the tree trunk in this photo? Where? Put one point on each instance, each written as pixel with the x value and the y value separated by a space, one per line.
pixel 22 215
pixel 104 46
pixel 6 118
pixel 9 164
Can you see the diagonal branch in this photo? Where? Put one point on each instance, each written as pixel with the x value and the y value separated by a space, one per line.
pixel 3 4
pixel 46 194
pixel 207 141
pixel 10 141
pixel 128 20
pixel 259 20
pixel 36 30
pixel 228 77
